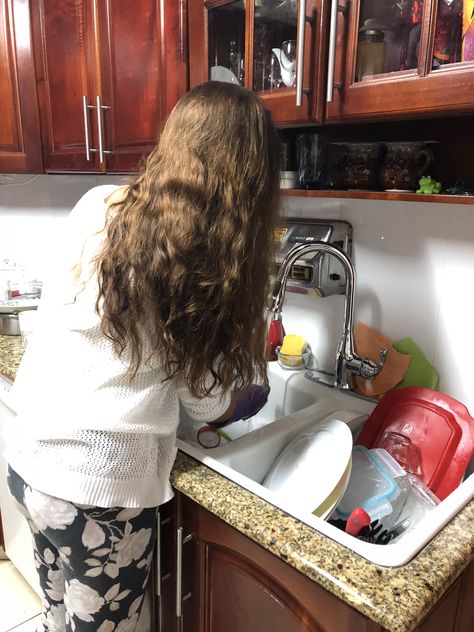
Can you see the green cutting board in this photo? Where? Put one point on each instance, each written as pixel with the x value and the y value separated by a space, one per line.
pixel 420 371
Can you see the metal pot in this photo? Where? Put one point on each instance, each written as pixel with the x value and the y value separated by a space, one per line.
pixel 9 324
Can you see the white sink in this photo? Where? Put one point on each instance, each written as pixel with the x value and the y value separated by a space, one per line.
pixel 289 391
pixel 295 404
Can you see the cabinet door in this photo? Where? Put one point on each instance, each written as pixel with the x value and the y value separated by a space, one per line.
pixel 174 578
pixel 20 145
pixel 174 47
pixel 217 41
pixel 238 585
pixel 131 84
pixel 273 47
pixel 65 52
pixel 286 48
pixel 400 58
pixel 163 571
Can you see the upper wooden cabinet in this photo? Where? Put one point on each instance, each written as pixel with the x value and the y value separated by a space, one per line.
pixel 338 60
pixel 275 47
pixel 101 69
pixel 414 57
pixel 20 145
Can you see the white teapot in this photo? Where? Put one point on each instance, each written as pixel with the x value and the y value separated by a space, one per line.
pixel 286 56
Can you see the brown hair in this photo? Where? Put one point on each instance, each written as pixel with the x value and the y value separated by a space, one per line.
pixel 187 251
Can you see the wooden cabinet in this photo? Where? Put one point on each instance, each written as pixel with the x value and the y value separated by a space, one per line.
pixel 275 48
pixel 164 574
pixel 224 581
pixel 394 59
pixel 20 145
pixel 365 60
pixel 101 70
pixel 212 577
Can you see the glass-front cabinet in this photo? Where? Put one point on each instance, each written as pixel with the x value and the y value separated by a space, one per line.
pixel 338 60
pixel 271 46
pixel 390 57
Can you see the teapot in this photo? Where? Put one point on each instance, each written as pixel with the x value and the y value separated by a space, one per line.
pixel 286 57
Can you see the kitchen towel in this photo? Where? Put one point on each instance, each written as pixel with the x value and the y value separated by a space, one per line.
pixel 368 343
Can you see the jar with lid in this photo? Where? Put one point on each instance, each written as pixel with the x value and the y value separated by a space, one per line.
pixel 371 50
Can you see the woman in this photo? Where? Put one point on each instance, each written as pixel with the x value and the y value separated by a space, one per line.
pixel 157 302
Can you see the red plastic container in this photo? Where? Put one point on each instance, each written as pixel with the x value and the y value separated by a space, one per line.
pixel 429 433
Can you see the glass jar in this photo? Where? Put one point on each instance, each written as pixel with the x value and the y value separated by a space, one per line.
pixel 371 51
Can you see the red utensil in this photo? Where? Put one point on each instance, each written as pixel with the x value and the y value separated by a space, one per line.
pixel 357 520
pixel 276 333
pixel 429 433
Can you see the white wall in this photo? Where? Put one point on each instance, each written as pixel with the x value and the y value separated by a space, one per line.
pixel 414 267
pixel 415 277
pixel 31 208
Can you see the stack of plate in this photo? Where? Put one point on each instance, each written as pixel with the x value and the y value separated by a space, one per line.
pixel 313 471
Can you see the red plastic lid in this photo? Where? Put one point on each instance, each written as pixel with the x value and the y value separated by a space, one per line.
pixel 429 433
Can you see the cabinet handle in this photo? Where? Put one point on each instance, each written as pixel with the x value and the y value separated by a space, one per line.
pixel 335 7
pixel 101 107
pixel 300 37
pixel 182 31
pixel 179 569
pixel 158 556
pixel 86 107
pixel 158 578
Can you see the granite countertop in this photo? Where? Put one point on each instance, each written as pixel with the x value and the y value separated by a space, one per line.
pixel 11 352
pixel 395 598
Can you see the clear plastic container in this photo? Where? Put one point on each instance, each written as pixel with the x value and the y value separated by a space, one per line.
pixel 413 503
pixel 374 483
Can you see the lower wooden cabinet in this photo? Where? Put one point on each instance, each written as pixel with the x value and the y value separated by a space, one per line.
pixel 214 579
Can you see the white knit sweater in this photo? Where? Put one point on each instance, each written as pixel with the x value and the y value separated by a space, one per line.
pixel 83 432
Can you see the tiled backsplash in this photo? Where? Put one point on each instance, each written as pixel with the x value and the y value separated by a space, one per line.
pixel 414 268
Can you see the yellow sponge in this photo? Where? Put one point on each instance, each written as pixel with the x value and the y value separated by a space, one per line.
pixel 293 345
pixel 292 349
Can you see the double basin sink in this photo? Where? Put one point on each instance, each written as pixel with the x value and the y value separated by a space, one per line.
pixel 295 405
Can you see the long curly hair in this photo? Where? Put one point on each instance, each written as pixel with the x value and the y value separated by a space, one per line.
pixel 188 245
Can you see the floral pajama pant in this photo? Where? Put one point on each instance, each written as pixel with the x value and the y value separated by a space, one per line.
pixel 93 562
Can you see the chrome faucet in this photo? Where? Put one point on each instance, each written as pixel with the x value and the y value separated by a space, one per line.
pixel 348 363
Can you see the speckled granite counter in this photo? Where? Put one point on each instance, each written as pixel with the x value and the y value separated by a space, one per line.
pixel 11 351
pixel 397 598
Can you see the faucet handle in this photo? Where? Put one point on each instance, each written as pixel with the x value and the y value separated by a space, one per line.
pixel 369 369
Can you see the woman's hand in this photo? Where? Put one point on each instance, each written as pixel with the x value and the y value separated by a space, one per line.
pixel 245 403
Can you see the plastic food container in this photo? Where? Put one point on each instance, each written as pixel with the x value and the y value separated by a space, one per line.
pixel 374 484
pixel 429 433
pixel 414 502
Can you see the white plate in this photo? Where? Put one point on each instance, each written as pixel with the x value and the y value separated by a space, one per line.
pixel 310 468
pixel 327 507
pixel 221 73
